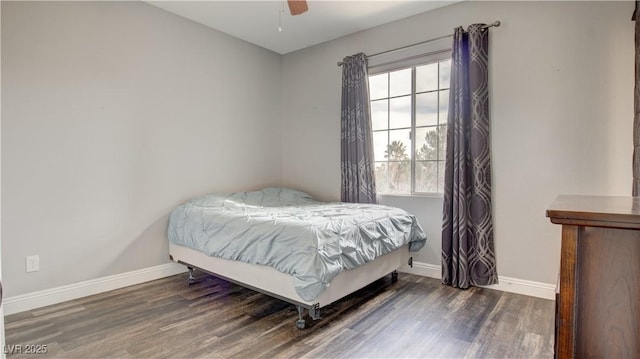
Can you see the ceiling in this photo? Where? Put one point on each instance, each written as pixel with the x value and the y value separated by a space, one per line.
pixel 257 21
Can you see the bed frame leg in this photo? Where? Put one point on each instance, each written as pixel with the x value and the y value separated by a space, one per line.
pixel 301 323
pixel 394 276
pixel 314 311
pixel 191 279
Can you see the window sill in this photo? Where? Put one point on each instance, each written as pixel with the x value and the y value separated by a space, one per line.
pixel 415 195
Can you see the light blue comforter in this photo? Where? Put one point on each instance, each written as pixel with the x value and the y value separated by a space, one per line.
pixel 287 230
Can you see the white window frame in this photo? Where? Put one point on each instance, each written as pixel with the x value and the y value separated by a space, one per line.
pixel 412 57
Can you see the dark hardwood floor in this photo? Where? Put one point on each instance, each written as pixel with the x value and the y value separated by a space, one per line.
pixel 415 317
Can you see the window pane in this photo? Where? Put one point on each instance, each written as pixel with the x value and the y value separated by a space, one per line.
pixel 400 82
pixel 445 74
pixel 400 177
pixel 392 108
pixel 427 143
pixel 379 114
pixel 444 106
pixel 442 142
pixel 378 86
pixel 426 176
pixel 427 77
pixel 427 109
pixel 380 145
pixel 400 112
pixel 441 176
pixel 382 180
pixel 399 148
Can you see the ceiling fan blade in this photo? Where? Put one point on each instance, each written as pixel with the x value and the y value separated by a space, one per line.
pixel 297 7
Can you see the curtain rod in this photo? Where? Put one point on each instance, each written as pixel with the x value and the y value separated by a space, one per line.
pixel 493 24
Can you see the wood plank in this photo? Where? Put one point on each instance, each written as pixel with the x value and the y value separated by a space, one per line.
pixel 415 317
pixel 566 307
pixel 608 309
pixel 608 211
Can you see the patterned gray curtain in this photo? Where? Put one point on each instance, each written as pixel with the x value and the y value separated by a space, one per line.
pixel 636 102
pixel 358 178
pixel 468 256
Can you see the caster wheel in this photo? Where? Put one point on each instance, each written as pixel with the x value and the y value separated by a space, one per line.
pixel 301 324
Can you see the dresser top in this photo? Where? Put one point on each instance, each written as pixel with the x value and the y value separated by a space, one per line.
pixel 603 211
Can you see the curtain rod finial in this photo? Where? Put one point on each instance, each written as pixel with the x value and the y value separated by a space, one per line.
pixel 496 23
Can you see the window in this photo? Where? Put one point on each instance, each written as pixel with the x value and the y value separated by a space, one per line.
pixel 409 108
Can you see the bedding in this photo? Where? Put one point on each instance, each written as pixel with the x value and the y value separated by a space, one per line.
pixel 286 229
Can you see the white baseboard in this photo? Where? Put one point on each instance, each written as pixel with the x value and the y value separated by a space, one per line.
pixel 506 284
pixel 29 301
pixel 423 269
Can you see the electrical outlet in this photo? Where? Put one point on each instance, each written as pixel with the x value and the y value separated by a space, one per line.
pixel 32 263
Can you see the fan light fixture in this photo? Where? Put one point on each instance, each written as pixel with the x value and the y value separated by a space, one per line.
pixel 296 7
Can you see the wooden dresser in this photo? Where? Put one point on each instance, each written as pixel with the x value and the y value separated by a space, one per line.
pixel 598 305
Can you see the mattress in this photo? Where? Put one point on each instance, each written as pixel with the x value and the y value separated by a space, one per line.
pixel 289 231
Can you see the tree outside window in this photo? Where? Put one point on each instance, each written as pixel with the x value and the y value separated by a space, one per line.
pixel 409 110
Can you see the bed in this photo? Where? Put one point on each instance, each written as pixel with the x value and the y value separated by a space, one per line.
pixel 281 242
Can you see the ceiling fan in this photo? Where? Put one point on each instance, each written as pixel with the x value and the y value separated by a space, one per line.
pixel 297 7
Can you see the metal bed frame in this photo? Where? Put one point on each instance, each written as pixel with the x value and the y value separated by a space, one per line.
pixel 279 285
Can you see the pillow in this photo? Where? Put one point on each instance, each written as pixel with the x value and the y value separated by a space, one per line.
pixel 286 196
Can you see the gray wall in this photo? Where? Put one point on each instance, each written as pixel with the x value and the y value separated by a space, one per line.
pixel 113 113
pixel 561 103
